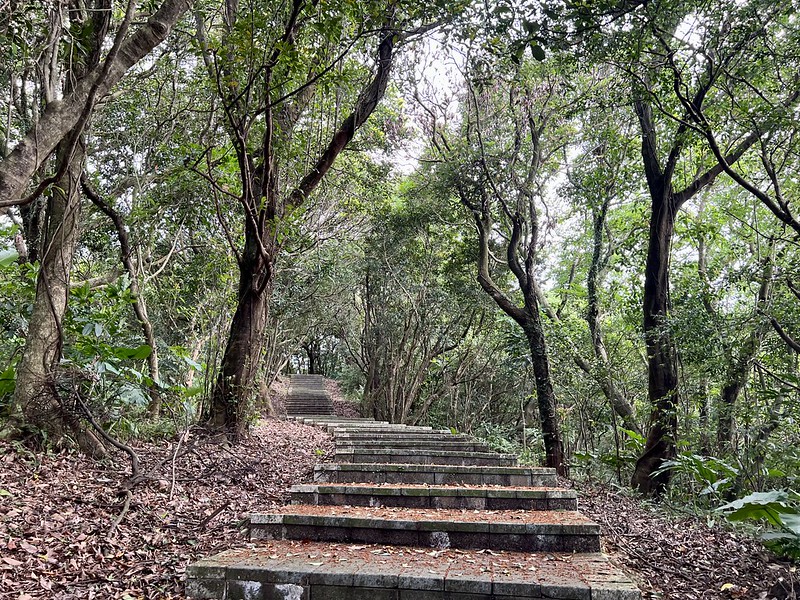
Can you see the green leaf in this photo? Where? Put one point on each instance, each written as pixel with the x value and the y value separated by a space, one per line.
pixel 8 380
pixel 8 257
pixel 538 52
pixel 772 507
pixel 137 353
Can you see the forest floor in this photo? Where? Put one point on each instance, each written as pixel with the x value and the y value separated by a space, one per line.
pixel 66 531
pixel 685 557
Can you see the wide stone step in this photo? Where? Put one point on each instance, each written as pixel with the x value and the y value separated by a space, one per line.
pixel 425 457
pixel 401 444
pixel 387 473
pixel 423 436
pixel 426 496
pixel 523 531
pixel 332 420
pixel 311 571
pixel 360 430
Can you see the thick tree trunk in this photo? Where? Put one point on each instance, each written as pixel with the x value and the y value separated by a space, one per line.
pixel 545 396
pixel 231 398
pixel 661 356
pixel 36 400
pixel 237 382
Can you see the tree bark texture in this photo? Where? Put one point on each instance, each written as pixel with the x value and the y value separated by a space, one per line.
pixel 37 401
pixel 237 381
pixel 662 360
pixel 545 396
pixel 529 319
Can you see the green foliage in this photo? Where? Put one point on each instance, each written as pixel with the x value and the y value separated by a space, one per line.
pixel 706 476
pixel 779 510
pixel 608 461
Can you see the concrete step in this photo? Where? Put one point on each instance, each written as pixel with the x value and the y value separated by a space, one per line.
pixel 337 420
pixel 388 473
pixel 522 531
pixel 426 496
pixel 424 436
pixel 425 457
pixel 369 428
pixel 401 444
pixel 310 571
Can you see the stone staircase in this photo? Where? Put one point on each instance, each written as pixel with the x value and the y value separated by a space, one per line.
pixel 413 513
pixel 307 396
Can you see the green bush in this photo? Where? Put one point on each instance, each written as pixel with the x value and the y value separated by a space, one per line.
pixel 778 511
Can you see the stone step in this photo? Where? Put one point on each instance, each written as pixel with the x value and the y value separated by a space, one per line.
pixel 400 435
pixel 366 446
pixel 310 571
pixel 335 419
pixel 522 531
pixel 356 427
pixel 387 473
pixel 377 429
pixel 425 496
pixel 425 457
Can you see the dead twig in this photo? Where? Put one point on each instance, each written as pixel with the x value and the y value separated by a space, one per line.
pixel 181 439
pixel 125 507
pixel 210 517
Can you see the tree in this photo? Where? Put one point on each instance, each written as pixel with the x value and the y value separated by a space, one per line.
pixel 502 184
pixel 669 190
pixel 269 99
pixel 60 128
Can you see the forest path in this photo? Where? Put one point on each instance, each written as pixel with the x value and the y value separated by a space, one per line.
pixel 417 513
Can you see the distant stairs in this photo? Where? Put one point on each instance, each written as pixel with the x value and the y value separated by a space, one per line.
pixel 307 396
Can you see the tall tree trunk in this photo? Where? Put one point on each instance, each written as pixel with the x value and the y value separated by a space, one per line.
pixel 232 394
pixel 545 396
pixel 238 376
pixel 530 320
pixel 662 358
pixel 36 398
